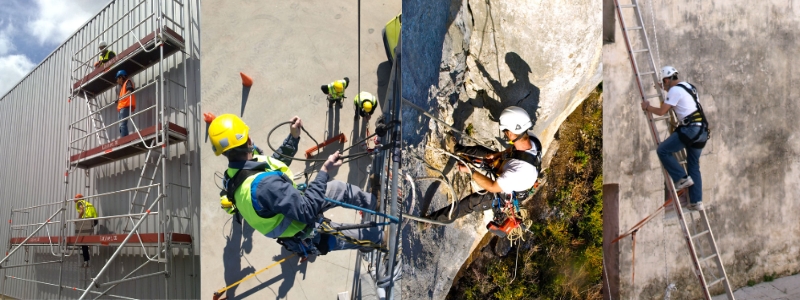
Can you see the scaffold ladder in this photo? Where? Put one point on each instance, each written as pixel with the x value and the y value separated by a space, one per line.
pixel 97 119
pixel 706 260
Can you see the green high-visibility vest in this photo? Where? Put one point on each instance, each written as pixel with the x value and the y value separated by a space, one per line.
pixel 274 226
pixel 88 209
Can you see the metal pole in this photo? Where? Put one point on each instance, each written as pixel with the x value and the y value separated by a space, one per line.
pixel 119 248
pixel 396 158
pixel 28 238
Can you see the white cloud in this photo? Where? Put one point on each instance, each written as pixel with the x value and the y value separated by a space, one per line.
pixel 12 69
pixel 56 20
pixel 6 45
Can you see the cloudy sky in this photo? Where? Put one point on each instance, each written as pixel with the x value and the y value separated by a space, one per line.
pixel 31 29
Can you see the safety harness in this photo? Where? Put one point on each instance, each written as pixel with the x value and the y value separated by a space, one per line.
pixel 302 243
pixel 696 118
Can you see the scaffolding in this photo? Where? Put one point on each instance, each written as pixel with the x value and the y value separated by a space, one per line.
pixel 153 226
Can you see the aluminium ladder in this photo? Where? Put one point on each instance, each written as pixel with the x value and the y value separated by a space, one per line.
pixel 699 237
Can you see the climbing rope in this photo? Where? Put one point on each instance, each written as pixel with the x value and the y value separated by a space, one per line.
pixel 218 293
pixel 517 234
pixel 349 158
pixel 655 35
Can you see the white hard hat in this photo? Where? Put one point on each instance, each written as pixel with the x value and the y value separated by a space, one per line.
pixel 668 71
pixel 102 44
pixel 515 119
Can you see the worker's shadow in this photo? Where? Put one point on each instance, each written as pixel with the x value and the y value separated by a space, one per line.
pixel 239 242
pixel 518 91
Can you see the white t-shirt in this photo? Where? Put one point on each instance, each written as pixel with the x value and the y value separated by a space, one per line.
pixel 681 101
pixel 518 175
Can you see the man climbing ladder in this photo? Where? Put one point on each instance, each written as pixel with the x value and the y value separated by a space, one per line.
pixel 692 134
pixel 261 190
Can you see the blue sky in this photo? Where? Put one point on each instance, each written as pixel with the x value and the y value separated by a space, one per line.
pixel 31 29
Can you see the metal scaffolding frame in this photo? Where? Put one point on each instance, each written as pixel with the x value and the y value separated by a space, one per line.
pixel 153 196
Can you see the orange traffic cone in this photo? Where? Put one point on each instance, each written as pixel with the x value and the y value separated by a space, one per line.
pixel 209 117
pixel 246 80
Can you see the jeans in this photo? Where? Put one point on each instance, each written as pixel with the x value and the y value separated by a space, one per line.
pixel 351 194
pixel 123 126
pixel 673 144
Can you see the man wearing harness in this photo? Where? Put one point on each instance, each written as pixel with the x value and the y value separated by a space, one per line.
pixel 516 176
pixel 261 190
pixel 691 134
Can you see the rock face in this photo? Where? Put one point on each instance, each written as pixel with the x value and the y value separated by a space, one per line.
pixel 465 61
pixel 742 58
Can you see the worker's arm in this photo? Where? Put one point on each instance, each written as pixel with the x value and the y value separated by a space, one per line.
pixel 484 182
pixel 289 145
pixel 656 110
pixel 277 194
pixel 81 209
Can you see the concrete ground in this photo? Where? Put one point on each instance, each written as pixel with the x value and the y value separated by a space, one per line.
pixel 289 48
pixel 785 288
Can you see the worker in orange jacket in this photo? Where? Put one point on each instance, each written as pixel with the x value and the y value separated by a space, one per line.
pixel 126 103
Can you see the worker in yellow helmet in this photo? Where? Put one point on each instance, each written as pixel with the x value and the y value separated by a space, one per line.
pixel 261 190
pixel 335 90
pixel 365 104
pixel 85 211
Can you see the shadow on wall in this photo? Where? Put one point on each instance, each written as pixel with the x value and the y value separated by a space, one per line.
pixel 518 91
pixel 240 243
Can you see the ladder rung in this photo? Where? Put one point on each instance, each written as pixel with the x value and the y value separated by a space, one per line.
pixel 708 257
pixel 641 50
pixel 627 6
pixel 633 28
pixel 145 177
pixel 699 234
pixel 716 281
pixel 651 96
pixel 659 118
pixel 647 73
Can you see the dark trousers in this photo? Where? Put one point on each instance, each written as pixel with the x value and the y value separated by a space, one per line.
pixel 471 203
pixel 85 251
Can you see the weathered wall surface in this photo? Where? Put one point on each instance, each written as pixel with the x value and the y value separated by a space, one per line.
pixel 290 49
pixel 742 57
pixel 466 61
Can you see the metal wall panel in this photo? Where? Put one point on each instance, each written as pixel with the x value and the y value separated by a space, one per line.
pixel 34 120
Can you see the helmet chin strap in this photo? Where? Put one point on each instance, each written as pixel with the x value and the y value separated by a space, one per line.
pixel 519 136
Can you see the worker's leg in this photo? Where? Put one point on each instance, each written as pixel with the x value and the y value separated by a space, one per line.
pixel 693 164
pixel 473 202
pixel 472 150
pixel 347 193
pixel 665 153
pixel 123 126
pixel 363 238
pixel 85 252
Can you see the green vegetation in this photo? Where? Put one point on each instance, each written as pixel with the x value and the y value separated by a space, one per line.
pixel 562 257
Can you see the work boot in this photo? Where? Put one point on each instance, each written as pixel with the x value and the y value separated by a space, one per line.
pixel 85 264
pixel 695 206
pixel 684 183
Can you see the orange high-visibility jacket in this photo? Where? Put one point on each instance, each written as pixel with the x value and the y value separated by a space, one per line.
pixel 127 101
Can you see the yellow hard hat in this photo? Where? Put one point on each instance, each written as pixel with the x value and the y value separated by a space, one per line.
pixel 226 204
pixel 338 86
pixel 367 106
pixel 227 132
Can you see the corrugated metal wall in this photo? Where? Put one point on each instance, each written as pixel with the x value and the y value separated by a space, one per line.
pixel 34 120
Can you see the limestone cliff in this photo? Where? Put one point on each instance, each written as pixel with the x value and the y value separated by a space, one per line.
pixel 465 61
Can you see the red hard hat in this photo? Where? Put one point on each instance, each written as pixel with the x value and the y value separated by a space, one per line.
pixel 78 196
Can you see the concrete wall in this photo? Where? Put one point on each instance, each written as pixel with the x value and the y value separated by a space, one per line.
pixel 34 120
pixel 289 48
pixel 742 57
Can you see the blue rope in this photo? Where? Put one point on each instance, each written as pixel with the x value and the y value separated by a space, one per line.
pixel 393 219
